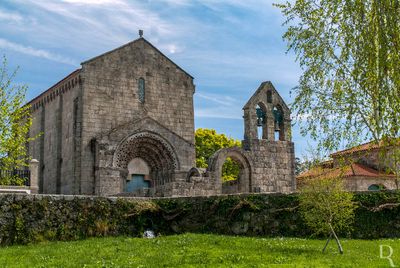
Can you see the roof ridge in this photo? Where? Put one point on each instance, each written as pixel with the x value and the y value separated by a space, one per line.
pixel 132 42
pixel 356 148
pixel 364 170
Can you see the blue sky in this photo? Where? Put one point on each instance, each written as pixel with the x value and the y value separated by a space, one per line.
pixel 230 47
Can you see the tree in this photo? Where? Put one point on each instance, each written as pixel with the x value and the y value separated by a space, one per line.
pixel 15 121
pixel 298 167
pixel 327 208
pixel 349 90
pixel 207 142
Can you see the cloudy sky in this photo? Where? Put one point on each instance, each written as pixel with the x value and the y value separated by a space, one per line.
pixel 230 47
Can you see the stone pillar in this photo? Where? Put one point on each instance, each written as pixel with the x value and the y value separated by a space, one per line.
pixel 247 130
pixel 34 169
pixel 287 124
pixel 270 126
pixel 250 124
pixel 110 180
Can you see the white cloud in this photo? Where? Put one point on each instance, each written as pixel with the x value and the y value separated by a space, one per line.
pixel 36 52
pixel 229 46
pixel 9 16
pixel 172 48
pixel 218 112
pixel 92 2
pixel 110 22
pixel 177 3
pixel 217 98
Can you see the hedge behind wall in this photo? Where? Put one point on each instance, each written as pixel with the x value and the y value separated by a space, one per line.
pixel 31 218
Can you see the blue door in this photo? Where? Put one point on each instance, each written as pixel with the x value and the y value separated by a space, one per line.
pixel 137 182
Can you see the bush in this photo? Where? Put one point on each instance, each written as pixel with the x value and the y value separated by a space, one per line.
pixel 32 218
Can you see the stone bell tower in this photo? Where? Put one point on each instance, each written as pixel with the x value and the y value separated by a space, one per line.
pixel 267 139
pixel 266 158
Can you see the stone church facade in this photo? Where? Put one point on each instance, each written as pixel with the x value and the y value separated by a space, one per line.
pixel 123 124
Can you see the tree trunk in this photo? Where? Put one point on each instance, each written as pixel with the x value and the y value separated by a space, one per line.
pixel 327 242
pixel 337 239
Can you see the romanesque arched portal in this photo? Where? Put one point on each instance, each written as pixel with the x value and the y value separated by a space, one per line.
pixel 154 150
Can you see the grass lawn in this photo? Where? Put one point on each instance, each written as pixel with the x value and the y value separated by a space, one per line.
pixel 197 250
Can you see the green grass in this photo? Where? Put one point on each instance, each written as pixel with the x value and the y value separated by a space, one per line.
pixel 196 250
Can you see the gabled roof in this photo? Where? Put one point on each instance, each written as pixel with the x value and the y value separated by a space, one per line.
pixel 359 148
pixel 269 86
pixel 372 145
pixel 351 170
pixel 133 42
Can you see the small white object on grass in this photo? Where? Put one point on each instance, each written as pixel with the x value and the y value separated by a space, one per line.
pixel 148 234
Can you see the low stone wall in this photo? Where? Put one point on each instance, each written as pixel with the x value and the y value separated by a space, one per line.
pixel 31 218
pixel 5 189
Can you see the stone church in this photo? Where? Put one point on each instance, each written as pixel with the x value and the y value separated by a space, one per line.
pixel 123 124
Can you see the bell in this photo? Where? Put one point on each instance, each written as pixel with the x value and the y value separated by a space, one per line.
pixel 260 117
pixel 276 125
pixel 259 122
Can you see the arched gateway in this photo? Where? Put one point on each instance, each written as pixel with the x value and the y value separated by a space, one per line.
pixel 243 184
pixel 156 152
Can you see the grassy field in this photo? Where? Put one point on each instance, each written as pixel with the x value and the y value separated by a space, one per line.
pixel 196 250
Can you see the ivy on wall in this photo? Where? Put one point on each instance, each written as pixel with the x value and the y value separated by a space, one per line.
pixel 29 218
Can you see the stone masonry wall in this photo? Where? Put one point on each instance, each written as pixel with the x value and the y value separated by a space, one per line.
pixel 53 119
pixel 50 147
pixel 70 138
pixel 273 166
pixel 110 97
pixel 268 167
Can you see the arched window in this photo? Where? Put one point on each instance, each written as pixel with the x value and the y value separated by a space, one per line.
pixel 269 96
pixel 261 122
pixel 141 90
pixel 376 187
pixel 278 123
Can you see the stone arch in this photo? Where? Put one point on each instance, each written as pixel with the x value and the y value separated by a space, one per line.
pixel 261 122
pixel 154 150
pixel 193 172
pixel 215 168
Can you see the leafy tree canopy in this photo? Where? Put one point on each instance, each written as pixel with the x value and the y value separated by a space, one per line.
pixel 207 142
pixel 326 207
pixel 15 121
pixel 349 53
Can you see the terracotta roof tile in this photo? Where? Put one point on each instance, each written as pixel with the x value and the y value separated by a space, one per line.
pixel 367 146
pixel 352 170
pixel 359 148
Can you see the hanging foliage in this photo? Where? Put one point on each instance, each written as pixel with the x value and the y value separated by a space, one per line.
pixel 349 90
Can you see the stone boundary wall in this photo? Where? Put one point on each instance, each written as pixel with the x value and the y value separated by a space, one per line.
pixel 32 218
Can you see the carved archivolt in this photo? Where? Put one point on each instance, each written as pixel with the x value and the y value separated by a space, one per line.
pixel 152 148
